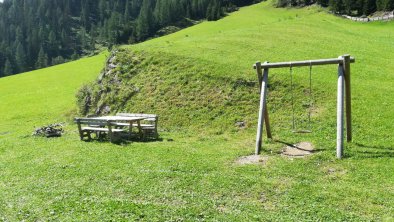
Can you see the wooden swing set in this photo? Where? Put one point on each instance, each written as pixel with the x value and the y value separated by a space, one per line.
pixel 343 95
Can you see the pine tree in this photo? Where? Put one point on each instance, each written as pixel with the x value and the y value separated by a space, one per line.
pixel 323 3
pixel 20 58
pixel 53 45
pixel 8 68
pixel 42 60
pixel 385 5
pixel 145 20
pixel 75 56
pixel 369 6
pixel 58 60
pixel 127 12
pixel 336 6
pixel 209 12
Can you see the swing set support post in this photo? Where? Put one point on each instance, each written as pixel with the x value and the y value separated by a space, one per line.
pixel 340 109
pixel 266 116
pixel 263 112
pixel 348 96
pixel 344 96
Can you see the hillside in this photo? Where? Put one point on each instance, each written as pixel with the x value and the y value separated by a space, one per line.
pixel 201 82
pixel 204 73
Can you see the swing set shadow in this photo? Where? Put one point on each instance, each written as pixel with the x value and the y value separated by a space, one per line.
pixel 343 96
pixel 296 147
pixel 372 151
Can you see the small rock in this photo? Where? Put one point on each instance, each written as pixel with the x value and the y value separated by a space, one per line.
pixel 107 109
pixel 112 59
pixel 240 124
pixel 112 66
pixel 331 170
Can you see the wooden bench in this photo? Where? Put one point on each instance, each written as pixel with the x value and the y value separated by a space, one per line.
pixel 148 125
pixel 97 126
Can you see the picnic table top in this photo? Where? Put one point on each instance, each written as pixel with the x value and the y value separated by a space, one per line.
pixel 120 118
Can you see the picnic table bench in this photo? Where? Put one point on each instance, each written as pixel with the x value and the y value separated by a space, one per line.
pixel 88 126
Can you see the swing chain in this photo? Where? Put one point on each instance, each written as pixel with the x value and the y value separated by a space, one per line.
pixel 310 96
pixel 292 95
pixel 310 99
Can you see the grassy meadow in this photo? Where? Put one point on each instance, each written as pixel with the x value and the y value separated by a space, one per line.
pixel 200 81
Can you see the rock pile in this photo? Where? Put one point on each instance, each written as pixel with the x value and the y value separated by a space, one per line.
pixel 52 130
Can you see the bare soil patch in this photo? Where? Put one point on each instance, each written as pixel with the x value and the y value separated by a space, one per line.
pixel 252 159
pixel 299 150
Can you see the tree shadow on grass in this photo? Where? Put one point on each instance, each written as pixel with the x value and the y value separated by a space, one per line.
pixel 375 147
pixel 363 151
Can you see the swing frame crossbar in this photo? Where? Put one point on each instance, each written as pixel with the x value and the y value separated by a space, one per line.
pixel 316 62
pixel 343 96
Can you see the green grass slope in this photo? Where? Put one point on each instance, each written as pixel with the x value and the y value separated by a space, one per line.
pixel 200 80
pixel 44 95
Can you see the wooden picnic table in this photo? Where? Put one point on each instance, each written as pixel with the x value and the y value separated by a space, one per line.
pixel 109 124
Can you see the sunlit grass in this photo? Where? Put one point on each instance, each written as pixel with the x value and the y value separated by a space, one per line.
pixel 191 174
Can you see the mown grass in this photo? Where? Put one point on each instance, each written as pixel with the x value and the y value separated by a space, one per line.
pixel 190 175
